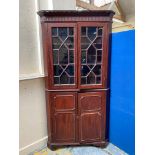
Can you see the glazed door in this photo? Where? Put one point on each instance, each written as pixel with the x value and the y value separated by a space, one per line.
pixel 64 117
pixel 92 115
pixel 92 40
pixel 62 55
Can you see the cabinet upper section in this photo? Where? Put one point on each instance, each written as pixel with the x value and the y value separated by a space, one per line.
pixel 76 48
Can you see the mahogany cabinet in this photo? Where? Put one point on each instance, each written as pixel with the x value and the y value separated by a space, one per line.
pixel 76 47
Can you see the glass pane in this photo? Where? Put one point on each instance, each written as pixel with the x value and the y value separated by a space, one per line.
pixel 70 70
pixel 69 42
pixel 97 69
pixel 62 32
pixel 91 59
pixel 71 31
pixel 54 32
pixel 71 56
pixel 55 56
pixel 56 80
pixel 63 66
pixel 85 42
pixel 99 52
pixel 85 70
pixel 91 55
pixel 63 55
pixel 98 79
pixel 91 50
pixel 99 59
pixel 57 70
pixel 91 78
pixel 56 42
pixel 83 80
pixel 99 31
pixel 83 57
pixel 64 79
pixel 71 80
pixel 91 66
pixel 83 31
pixel 91 33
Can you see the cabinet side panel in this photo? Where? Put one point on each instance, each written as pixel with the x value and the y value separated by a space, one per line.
pixel 45 53
pixel 49 114
pixel 107 55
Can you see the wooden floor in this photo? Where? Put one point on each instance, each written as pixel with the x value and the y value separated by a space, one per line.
pixel 109 150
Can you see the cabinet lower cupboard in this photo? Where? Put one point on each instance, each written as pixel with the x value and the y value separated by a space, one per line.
pixel 76 61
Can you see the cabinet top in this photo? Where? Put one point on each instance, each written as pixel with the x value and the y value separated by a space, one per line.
pixel 53 15
pixel 75 13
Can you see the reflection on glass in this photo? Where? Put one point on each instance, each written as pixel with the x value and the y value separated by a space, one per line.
pixel 70 70
pixel 63 55
pixel 56 42
pixel 85 70
pixel 56 80
pixel 64 79
pixel 57 70
pixel 54 32
pixel 71 56
pixel 55 56
pixel 71 31
pixel 62 32
pixel 91 78
pixel 91 33
pixel 83 31
pixel 83 56
pixel 98 79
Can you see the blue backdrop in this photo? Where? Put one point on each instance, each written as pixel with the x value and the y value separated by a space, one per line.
pixel 122 98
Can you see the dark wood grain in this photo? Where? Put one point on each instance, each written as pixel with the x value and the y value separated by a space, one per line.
pixel 77 114
pixel 92 115
pixel 64 116
pixel 82 13
pixel 76 16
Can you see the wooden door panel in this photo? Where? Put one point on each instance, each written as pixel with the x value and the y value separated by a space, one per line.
pixel 64 117
pixel 64 102
pixel 91 126
pixel 64 124
pixel 92 112
pixel 92 104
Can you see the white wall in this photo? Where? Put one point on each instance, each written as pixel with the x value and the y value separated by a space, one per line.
pixel 64 4
pixel 45 4
pixel 29 46
pixel 32 113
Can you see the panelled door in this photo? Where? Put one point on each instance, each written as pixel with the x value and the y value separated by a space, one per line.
pixel 92 113
pixel 92 54
pixel 62 55
pixel 64 124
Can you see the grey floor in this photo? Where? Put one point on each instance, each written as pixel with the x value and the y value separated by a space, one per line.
pixel 109 150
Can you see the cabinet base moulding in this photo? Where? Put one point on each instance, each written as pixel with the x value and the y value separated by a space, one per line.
pixel 54 146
